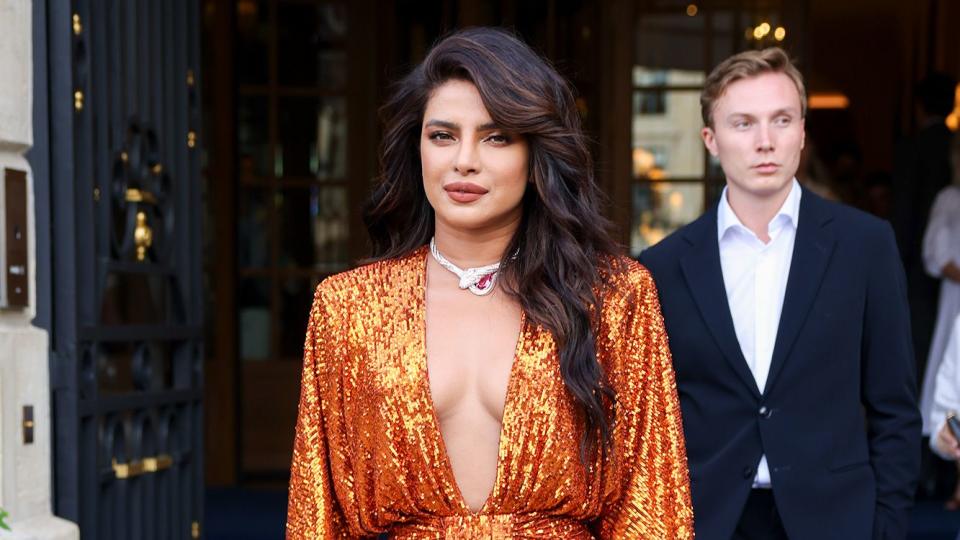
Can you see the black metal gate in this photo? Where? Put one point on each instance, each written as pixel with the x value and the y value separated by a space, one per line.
pixel 118 182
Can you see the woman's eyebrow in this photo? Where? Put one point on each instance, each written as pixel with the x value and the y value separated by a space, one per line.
pixel 443 124
pixel 489 126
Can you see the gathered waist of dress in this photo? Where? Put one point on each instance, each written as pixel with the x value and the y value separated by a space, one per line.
pixel 492 526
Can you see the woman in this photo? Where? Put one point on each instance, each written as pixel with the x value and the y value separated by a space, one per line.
pixel 941 254
pixel 498 372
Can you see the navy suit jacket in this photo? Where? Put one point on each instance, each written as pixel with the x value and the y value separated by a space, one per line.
pixel 838 418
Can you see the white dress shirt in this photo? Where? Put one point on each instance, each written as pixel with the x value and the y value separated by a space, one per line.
pixel 941 245
pixel 755 277
pixel 946 397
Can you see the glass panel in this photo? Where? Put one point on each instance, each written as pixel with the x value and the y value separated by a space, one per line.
pixel 726 38
pixel 253 228
pixel 253 34
pixel 296 297
pixel 313 138
pixel 134 299
pixel 675 5
pixel 309 29
pixel 254 301
pixel 314 228
pixel 113 368
pixel 253 137
pixel 670 41
pixel 331 22
pixel 659 208
pixel 666 142
pixel 126 367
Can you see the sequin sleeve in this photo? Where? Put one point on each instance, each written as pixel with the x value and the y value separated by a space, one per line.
pixel 653 493
pixel 312 510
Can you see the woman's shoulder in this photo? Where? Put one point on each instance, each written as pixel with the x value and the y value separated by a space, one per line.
pixel 374 279
pixel 949 196
pixel 623 275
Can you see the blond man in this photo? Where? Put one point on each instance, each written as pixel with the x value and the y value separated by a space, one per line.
pixel 788 324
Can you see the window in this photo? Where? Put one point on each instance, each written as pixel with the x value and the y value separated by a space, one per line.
pixel 675 46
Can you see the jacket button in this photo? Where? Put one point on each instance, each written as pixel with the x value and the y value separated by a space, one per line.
pixel 765 412
pixel 748 473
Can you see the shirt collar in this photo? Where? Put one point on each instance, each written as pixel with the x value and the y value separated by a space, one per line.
pixel 727 219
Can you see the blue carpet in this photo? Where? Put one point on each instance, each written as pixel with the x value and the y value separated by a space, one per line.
pixel 929 521
pixel 245 514
pixel 260 514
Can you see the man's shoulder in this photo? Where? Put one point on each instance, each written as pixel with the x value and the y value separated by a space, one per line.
pixel 849 221
pixel 858 233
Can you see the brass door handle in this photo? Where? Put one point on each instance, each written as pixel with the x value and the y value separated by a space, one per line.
pixel 127 470
pixel 158 463
pixel 151 464
pixel 139 195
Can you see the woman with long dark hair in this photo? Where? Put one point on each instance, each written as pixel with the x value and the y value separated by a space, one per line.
pixel 498 370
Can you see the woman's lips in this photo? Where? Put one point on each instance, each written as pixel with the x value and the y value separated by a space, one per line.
pixel 464 192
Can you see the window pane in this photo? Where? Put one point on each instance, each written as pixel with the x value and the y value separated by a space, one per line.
pixel 296 297
pixel 666 134
pixel 659 208
pixel 313 138
pixel 670 41
pixel 253 34
pixel 253 298
pixel 727 39
pixel 134 299
pixel 305 53
pixel 253 228
pixel 253 132
pixel 129 367
pixel 314 228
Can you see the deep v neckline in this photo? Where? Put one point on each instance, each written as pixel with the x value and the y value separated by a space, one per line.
pixel 434 420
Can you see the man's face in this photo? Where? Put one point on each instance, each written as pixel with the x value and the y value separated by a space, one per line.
pixel 757 135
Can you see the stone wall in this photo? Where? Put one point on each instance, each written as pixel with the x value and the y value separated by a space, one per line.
pixel 25 469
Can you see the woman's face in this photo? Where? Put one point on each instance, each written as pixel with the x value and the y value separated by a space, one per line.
pixel 474 173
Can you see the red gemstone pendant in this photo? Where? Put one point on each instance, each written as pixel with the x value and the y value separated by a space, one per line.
pixel 484 281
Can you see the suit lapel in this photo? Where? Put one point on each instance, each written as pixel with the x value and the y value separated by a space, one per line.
pixel 812 249
pixel 704 276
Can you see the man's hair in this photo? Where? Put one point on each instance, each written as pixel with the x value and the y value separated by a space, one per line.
pixel 745 65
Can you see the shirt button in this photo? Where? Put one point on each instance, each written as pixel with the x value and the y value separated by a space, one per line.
pixel 748 473
pixel 765 412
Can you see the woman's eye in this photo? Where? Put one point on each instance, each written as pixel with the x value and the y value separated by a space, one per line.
pixel 498 138
pixel 440 136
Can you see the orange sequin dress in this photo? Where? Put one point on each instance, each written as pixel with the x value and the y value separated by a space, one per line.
pixel 369 458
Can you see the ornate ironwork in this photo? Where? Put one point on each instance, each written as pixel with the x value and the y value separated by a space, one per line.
pixel 127 349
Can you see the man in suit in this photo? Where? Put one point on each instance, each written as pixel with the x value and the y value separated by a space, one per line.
pixel 788 324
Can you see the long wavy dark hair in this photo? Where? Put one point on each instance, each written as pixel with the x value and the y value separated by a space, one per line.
pixel 563 244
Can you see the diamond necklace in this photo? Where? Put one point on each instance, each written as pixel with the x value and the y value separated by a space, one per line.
pixel 480 281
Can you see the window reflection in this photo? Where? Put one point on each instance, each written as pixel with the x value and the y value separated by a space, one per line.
pixel 660 208
pixel 314 228
pixel 666 143
pixel 254 318
pixel 253 137
pixel 314 135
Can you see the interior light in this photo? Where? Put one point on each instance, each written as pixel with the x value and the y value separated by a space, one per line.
pixel 828 100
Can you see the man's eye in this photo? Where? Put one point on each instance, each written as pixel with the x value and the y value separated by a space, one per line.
pixel 741 124
pixel 783 121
